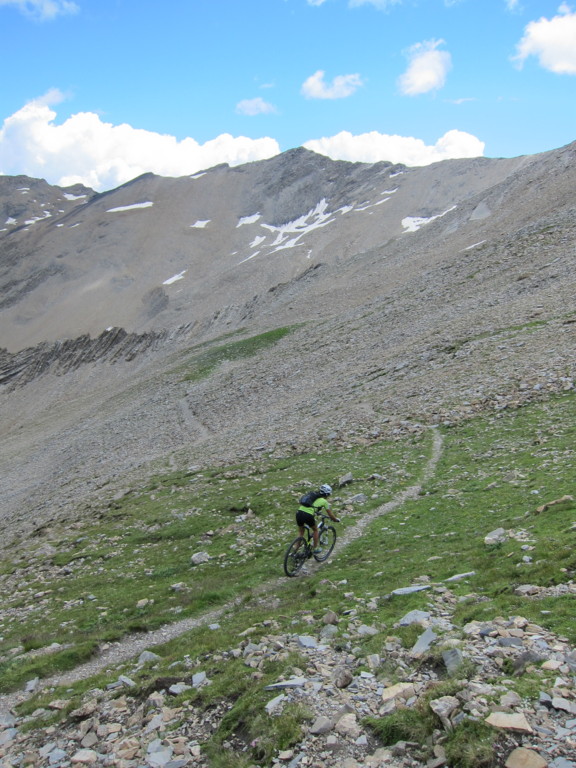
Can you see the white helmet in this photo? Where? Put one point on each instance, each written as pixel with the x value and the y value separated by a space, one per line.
pixel 326 489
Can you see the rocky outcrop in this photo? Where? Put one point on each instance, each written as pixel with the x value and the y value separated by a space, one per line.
pixel 62 357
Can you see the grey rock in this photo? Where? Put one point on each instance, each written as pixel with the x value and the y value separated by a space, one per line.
pixel 305 641
pixel 148 656
pixel 179 688
pixel 453 659
pixel 275 704
pixel 321 725
pixel 200 557
pixel 126 681
pixel 367 631
pixel 460 576
pixel 199 679
pixel 410 590
pixel 414 617
pixel 423 643
pixel 342 677
pixel 498 536
pixel 293 682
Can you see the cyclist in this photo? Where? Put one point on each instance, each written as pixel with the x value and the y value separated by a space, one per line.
pixel 310 504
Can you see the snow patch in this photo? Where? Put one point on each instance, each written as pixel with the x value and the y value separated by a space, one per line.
pixel 10 220
pixel 301 226
pixel 248 220
pixel 200 224
pixel 133 207
pixel 175 278
pixel 47 215
pixel 475 245
pixel 257 241
pixel 413 223
pixel 252 255
pixel 69 196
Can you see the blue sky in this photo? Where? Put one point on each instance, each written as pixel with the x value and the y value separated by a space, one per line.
pixel 100 91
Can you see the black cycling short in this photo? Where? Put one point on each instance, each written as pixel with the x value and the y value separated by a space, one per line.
pixel 305 518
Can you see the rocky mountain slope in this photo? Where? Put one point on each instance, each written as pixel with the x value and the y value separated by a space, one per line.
pixel 414 296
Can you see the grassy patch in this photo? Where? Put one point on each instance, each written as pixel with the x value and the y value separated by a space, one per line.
pixel 129 568
pixel 208 357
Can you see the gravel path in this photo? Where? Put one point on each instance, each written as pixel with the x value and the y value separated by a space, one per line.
pixel 132 645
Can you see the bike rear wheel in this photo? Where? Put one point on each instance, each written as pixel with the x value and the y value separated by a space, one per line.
pixel 326 543
pixel 295 556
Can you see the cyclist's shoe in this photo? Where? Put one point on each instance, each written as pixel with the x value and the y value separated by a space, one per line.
pixel 317 550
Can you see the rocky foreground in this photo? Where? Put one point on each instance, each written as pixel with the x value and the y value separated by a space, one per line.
pixel 125 726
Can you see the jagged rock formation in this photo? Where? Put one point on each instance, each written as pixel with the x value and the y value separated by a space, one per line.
pixel 61 357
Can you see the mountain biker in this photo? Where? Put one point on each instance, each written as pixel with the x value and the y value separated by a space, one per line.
pixel 309 507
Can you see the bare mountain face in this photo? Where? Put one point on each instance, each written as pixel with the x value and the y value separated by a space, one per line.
pixel 419 295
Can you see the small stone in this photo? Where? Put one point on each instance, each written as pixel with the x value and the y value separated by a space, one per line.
pixel 513 722
pixel 414 617
pixel 498 536
pixel 321 725
pixel 410 590
pixel 274 705
pixel 423 643
pixel 400 690
pixel 443 708
pixel 525 758
pixel 178 688
pixel 453 659
pixel 365 631
pixel 510 699
pixel 85 756
pixel 342 677
pixel 147 656
pixel 348 726
pixel 558 702
pixel 200 557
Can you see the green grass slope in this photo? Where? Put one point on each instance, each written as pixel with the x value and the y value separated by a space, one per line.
pixel 128 568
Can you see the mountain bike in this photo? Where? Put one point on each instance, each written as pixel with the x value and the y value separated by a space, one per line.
pixel 302 548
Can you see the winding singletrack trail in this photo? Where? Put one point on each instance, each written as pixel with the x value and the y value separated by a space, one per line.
pixel 132 645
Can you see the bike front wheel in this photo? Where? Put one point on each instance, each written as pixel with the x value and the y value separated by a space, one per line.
pixel 295 556
pixel 326 543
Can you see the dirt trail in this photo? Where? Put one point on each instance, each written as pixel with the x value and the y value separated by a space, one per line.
pixel 132 645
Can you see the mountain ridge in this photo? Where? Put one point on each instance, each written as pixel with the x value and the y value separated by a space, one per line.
pixel 416 306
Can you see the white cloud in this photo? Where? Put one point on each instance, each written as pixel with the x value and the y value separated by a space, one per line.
pixel 255 106
pixel 342 86
pixel 102 156
pixel 316 2
pixel 43 9
pixel 552 41
pixel 373 147
pixel 427 68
